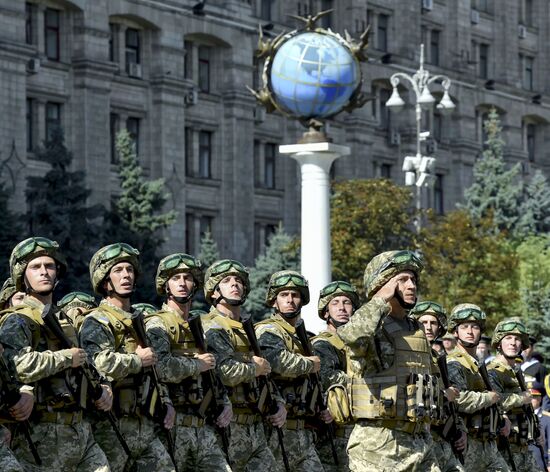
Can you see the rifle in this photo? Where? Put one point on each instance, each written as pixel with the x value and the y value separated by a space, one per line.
pixel 265 385
pixel 10 390
pixel 211 381
pixel 494 408
pixel 141 338
pixel 91 374
pixel 450 429
pixel 534 425
pixel 321 403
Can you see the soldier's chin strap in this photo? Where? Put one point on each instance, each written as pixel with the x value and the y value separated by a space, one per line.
pixel 467 344
pixel 514 357
pixel 182 300
pixel 43 293
pixel 120 295
pixel 229 301
pixel 403 303
pixel 335 322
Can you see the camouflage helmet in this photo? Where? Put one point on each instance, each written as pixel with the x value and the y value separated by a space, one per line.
pixel 8 290
pixel 333 290
pixel 175 264
pixel 510 326
pixel 431 308
pixel 77 300
pixel 466 312
pixel 221 269
pixel 106 258
pixel 286 279
pixel 386 265
pixel 30 249
pixel 147 308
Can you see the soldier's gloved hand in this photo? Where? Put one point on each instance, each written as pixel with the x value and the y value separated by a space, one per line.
pixel 505 430
pixel 206 361
pixel 460 444
pixel 387 292
pixel 79 356
pixel 262 366
pixel 105 402
pixel 170 416
pixel 147 356
pixel 325 416
pixel 494 397
pixel 278 419
pixel 316 364
pixel 23 408
pixel 225 417
pixel 452 393
pixel 526 398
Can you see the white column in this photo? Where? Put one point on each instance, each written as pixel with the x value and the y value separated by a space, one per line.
pixel 315 160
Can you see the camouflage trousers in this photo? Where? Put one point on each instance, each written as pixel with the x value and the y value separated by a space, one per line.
pixel 197 449
pixel 342 434
pixel 248 449
pixel 299 448
pixel 8 462
pixel 484 456
pixel 148 453
pixel 523 459
pixel 379 449
pixel 445 457
pixel 61 447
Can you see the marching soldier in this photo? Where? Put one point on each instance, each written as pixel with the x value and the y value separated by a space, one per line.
pixel 9 295
pixel 509 338
pixel 433 319
pixel 226 286
pixel 466 323
pixel 109 339
pixel 337 302
pixel 75 305
pixel 390 357
pixel 62 435
pixel 287 292
pixel 178 278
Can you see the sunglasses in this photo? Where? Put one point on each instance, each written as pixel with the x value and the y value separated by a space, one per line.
pixel 32 243
pixel 285 280
pixel 338 285
pixel 175 260
pixel 225 266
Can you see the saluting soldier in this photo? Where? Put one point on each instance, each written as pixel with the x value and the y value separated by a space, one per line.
pixel 108 337
pixel 337 303
pixel 62 434
pixel 178 278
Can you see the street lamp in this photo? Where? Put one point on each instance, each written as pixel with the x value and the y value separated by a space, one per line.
pixel 419 169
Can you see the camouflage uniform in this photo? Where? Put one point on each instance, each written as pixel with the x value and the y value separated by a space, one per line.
pixel 108 337
pixel 7 291
pixel 75 305
pixel 62 435
pixel 392 432
pixel 7 458
pixel 505 382
pixel 474 399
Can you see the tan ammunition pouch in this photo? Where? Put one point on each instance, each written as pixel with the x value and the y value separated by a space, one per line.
pixel 338 404
pixel 403 391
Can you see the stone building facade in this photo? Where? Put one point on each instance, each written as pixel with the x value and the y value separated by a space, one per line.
pixel 174 73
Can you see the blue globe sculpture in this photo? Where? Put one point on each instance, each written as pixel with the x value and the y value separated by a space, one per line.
pixel 313 75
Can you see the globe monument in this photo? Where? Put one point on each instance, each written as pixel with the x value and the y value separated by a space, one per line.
pixel 312 74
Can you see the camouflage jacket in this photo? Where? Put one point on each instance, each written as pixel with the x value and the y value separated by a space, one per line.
pixel 333 360
pixel 505 382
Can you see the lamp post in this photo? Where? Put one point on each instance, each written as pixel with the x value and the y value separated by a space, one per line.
pixel 418 168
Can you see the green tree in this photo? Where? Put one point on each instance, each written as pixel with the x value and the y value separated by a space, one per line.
pixel 535 208
pixel 137 215
pixel 367 217
pixel 467 261
pixel 58 210
pixel 281 254
pixel 208 251
pixel 496 190
pixel 11 232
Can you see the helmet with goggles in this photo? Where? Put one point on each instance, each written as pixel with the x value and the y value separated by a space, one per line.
pixel 510 326
pixel 285 280
pixel 336 289
pixel 221 269
pixel 431 308
pixel 106 258
pixel 176 264
pixel 77 300
pixel 464 313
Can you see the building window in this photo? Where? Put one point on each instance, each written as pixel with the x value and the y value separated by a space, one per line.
pixel 132 125
pixel 527 72
pixel 326 21
pixel 52 33
pixel 530 137
pixel 526 13
pixel 262 234
pixel 484 61
pixel 385 171
pixel 196 226
pixel 385 116
pixel 205 154
pixel 434 47
pixel 269 165
pixel 382 32
pixel 265 10
pixel 29 23
pixel 53 118
pixel 481 134
pixel 114 124
pixel 204 69
pixel 437 126
pixel 30 125
pixel 113 46
pixel 482 5
pixel 438 194
pixel 205 225
pixel 133 53
pixel 188 151
pixel 189 233
pixel 188 59
pixel 303 9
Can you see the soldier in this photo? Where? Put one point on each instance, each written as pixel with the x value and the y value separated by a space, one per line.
pixel 337 302
pixel 9 296
pixel 178 278
pixel 466 323
pixel 146 308
pixel 433 319
pixel 449 342
pixel 483 350
pixel 226 286
pixel 509 338
pixel 75 305
pixel 61 434
pixel 391 431
pixel 287 293
pixel 109 339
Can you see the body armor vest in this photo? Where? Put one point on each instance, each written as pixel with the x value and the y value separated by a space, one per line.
pixel 65 390
pixel 403 390
pixel 300 393
pixel 339 346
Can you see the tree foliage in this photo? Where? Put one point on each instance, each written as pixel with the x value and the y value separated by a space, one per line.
pixel 535 207
pixel 208 251
pixel 367 217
